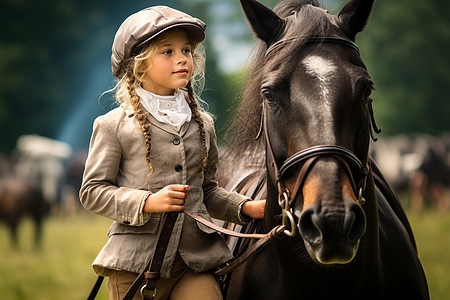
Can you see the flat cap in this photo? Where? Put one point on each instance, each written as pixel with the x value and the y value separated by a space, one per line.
pixel 139 28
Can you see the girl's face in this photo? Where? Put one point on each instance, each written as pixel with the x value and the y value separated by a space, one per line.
pixel 171 65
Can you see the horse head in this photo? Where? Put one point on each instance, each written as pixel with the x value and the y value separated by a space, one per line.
pixel 317 121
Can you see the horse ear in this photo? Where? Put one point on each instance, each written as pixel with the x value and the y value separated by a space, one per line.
pixel 264 22
pixel 354 16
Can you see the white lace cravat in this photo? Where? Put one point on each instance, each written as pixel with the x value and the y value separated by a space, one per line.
pixel 172 110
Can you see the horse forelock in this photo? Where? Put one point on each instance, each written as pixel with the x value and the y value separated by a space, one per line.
pixel 286 7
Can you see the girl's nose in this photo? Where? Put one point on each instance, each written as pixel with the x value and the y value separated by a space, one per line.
pixel 181 58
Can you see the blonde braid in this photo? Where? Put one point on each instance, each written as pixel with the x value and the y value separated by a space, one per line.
pixel 196 113
pixel 141 117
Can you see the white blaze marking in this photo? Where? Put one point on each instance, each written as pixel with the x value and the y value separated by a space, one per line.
pixel 321 69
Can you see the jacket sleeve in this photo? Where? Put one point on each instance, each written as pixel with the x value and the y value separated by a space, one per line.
pixel 220 203
pixel 99 192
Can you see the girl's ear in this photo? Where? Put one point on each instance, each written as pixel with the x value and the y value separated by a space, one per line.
pixel 264 22
pixel 354 15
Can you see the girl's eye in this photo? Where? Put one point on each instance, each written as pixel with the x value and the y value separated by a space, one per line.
pixel 186 51
pixel 167 52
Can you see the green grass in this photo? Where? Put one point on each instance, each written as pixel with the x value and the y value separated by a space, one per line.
pixel 62 268
pixel 432 232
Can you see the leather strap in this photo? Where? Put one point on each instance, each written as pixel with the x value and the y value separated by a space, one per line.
pixel 221 229
pixel 263 239
pixel 276 233
pixel 95 288
pixel 154 266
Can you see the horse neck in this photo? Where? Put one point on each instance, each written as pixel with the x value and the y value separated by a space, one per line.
pixel 370 241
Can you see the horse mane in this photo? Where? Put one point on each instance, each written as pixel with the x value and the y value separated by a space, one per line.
pixel 240 136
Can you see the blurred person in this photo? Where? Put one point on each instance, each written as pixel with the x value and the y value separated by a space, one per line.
pixel 157 153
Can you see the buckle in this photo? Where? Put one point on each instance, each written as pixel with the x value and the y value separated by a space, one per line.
pixel 144 293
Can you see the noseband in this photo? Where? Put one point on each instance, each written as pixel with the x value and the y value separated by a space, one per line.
pixel 355 169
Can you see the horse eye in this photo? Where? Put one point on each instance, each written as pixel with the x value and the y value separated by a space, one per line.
pixel 267 94
pixel 368 92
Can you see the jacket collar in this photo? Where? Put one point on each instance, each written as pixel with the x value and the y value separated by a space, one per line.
pixel 130 112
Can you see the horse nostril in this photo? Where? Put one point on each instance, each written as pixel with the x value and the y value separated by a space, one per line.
pixel 354 222
pixel 309 226
pixel 313 225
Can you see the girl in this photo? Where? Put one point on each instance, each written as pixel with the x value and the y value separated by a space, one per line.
pixel 157 153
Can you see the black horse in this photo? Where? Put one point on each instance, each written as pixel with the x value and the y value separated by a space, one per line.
pixel 308 103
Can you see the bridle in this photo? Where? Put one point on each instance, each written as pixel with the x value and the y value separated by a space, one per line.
pixel 315 40
pixel 307 157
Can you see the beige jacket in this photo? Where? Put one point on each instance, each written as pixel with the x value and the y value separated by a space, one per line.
pixel 114 186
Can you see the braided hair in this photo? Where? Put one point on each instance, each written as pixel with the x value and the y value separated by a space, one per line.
pixel 141 117
pixel 195 108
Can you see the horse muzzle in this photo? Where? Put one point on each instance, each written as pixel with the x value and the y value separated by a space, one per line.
pixel 332 229
pixel 332 234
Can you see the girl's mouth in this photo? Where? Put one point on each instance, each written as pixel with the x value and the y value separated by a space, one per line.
pixel 181 72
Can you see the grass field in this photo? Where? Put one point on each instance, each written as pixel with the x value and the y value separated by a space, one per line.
pixel 62 268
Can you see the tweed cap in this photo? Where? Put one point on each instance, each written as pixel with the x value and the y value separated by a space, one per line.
pixel 139 28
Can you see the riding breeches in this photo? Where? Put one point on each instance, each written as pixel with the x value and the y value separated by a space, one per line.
pixel 183 285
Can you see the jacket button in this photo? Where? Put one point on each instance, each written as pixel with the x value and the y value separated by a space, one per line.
pixel 178 168
pixel 176 141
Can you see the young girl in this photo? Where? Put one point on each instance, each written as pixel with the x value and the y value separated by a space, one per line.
pixel 157 153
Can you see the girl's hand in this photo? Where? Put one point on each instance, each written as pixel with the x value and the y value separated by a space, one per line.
pixel 170 198
pixel 254 209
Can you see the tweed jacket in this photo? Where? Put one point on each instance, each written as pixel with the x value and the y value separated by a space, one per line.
pixel 115 185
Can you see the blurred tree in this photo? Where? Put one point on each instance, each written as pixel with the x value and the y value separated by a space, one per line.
pixel 31 48
pixel 47 51
pixel 406 48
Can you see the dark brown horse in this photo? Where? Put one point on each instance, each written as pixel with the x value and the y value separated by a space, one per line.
pixel 308 100
pixel 20 198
